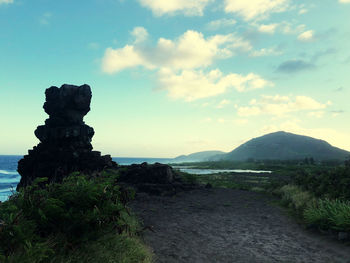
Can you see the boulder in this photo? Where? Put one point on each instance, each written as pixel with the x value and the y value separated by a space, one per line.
pixel 147 173
pixel 155 179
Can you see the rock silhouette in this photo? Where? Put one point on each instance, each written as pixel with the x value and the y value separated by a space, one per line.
pixel 65 140
pixel 154 179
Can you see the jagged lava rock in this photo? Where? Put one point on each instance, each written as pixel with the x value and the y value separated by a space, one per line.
pixel 156 179
pixel 65 140
pixel 146 173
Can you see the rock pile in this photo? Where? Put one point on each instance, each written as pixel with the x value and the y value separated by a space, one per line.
pixel 65 140
pixel 155 179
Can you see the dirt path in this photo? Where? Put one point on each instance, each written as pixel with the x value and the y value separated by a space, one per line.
pixel 225 225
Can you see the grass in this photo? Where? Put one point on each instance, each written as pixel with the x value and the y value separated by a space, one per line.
pixel 329 214
pixel 82 219
pixel 294 197
pixel 109 248
pixel 243 181
pixel 316 212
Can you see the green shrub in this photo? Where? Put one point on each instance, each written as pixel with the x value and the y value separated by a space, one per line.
pixel 294 197
pixel 329 214
pixel 331 182
pixel 188 178
pixel 44 221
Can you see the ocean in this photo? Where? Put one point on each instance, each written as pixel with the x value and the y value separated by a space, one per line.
pixel 9 178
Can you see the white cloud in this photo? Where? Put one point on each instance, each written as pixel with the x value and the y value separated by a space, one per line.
pixel 289 28
pixel 249 111
pixel 240 45
pixel 224 22
pixel 284 27
pixel 140 34
pixel 306 36
pixel 269 29
pixel 187 7
pixel 6 2
pixel 119 59
pixel 191 85
pixel 190 50
pixel 316 114
pixel 266 52
pixel 255 9
pixel 223 103
pixel 180 63
pixel 303 11
pixel 344 1
pixel 280 105
pixel 241 121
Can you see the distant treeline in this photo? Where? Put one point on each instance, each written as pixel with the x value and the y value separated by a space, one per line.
pixel 333 182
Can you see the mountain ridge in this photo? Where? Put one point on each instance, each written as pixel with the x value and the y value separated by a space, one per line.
pixel 198 156
pixel 279 145
pixel 283 145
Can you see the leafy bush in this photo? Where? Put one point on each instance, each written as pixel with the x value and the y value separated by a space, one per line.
pixel 332 183
pixel 44 220
pixel 329 214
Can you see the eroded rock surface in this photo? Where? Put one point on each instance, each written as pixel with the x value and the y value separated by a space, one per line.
pixel 65 140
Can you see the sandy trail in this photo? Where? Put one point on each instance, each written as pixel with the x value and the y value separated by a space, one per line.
pixel 226 225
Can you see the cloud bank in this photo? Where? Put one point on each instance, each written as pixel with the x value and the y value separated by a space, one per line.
pixel 255 9
pixel 280 105
pixel 191 85
pixel 181 64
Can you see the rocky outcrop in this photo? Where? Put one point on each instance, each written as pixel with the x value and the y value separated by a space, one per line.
pixel 155 179
pixel 65 140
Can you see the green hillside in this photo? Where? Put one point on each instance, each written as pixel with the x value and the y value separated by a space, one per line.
pixel 284 146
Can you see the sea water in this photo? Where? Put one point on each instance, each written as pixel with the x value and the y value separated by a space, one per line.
pixel 9 177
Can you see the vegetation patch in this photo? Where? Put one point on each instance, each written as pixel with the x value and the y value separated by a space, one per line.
pixel 82 219
pixel 329 214
pixel 323 214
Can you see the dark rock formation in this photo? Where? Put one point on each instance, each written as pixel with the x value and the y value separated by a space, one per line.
pixel 65 140
pixel 156 179
pixel 147 173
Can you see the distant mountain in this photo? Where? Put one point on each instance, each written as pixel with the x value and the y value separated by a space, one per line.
pixel 284 146
pixel 197 157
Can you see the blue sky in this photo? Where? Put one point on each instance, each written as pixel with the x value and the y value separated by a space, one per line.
pixel 178 76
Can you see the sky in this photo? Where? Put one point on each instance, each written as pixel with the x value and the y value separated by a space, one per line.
pixel 178 76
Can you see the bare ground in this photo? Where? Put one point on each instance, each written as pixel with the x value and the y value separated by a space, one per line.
pixel 226 225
